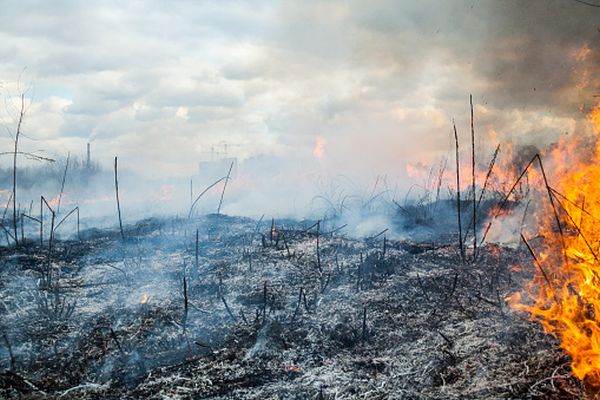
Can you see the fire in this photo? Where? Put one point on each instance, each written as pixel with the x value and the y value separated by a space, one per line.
pixel 53 202
pixel 144 299
pixel 564 295
pixel 319 148
pixel 165 193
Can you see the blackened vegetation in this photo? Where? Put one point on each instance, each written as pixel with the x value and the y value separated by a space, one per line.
pixel 274 309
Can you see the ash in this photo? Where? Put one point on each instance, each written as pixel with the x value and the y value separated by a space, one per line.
pixel 267 310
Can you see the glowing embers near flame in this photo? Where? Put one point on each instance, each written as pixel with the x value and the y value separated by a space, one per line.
pixel 564 295
pixel 144 299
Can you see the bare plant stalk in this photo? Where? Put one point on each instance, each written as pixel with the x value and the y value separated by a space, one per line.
pixel 264 310
pixel 117 196
pixel 48 268
pixel 524 215
pixel 10 351
pixel 488 175
pixel 16 150
pixel 197 251
pixel 228 309
pixel 549 190
pixel 185 303
pixel 577 228
pixel 224 187
pixel 299 303
pixel 191 191
pixel 116 339
pixel 41 220
pixel 318 250
pixel 75 210
pixel 364 324
pixel 6 231
pixel 202 194
pixel 62 185
pixel 504 201
pixel 551 199
pixel 539 265
pixel 460 242
pixel 8 203
pixel 473 178
pixel 50 239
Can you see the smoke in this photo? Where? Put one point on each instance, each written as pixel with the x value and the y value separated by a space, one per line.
pixel 299 99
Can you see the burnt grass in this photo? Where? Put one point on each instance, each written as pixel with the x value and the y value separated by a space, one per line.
pixel 268 317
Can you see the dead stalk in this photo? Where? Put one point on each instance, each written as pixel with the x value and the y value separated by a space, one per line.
pixel 10 351
pixel 460 240
pixel 228 309
pixel 264 310
pixel 539 265
pixel 196 264
pixel 299 303
pixel 16 151
pixel 224 187
pixel 117 197
pixel 185 302
pixel 202 194
pixel 364 324
pixel 62 185
pixel 318 251
pixel 473 179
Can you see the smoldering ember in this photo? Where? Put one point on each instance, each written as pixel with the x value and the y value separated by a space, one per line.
pixel 300 200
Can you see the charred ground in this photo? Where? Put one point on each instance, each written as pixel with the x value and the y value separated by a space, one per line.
pixel 280 309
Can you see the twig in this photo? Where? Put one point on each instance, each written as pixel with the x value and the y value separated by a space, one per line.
pixel 505 201
pixel 485 183
pixel 364 324
pixel 114 336
pixel 587 3
pixel 379 234
pixel 228 309
pixel 460 240
pixel 196 264
pixel 318 250
pixel 224 187
pixel 118 204
pixel 202 193
pixel 10 351
pixel 264 310
pixel 76 209
pixel 473 179
pixel 539 265
pixel 337 229
pixel 14 186
pixel 310 227
pixel 587 243
pixel 185 302
pixel 299 302
pixel 62 185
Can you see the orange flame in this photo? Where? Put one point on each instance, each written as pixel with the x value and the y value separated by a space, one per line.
pixel 565 292
pixel 319 148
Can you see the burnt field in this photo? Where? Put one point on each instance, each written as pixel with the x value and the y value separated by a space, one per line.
pixel 223 308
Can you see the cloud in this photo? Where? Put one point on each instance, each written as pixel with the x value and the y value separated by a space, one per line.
pixel 160 83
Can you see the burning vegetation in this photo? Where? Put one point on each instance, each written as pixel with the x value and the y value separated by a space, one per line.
pixel 564 294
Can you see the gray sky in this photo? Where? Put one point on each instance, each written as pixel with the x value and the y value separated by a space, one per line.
pixel 362 87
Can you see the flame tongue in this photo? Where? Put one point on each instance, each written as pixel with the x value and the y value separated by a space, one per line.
pixel 567 302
